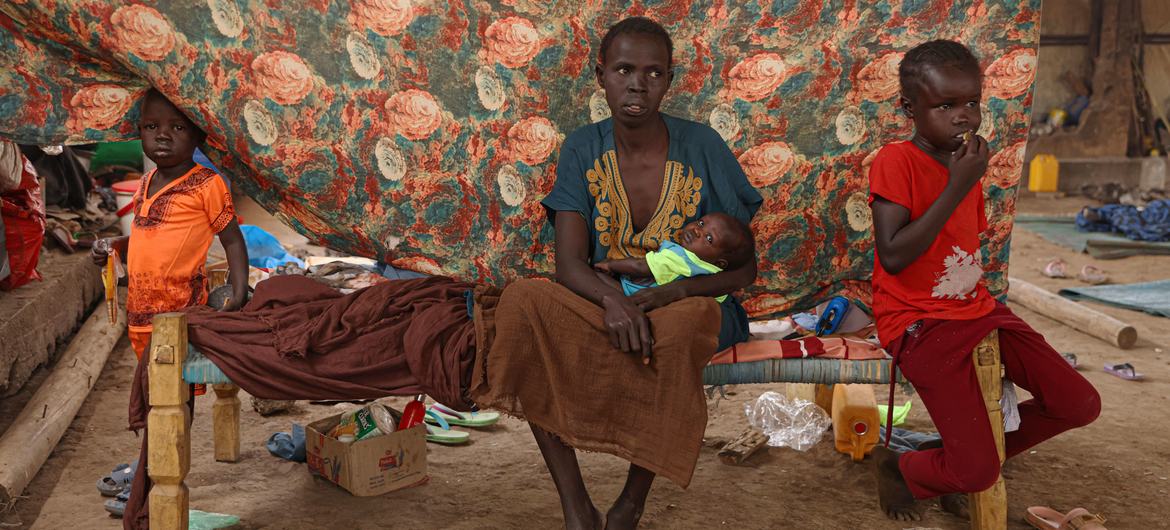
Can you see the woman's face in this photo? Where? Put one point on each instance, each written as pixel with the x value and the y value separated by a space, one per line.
pixel 635 77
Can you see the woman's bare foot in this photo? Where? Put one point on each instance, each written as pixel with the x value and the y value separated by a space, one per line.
pixel 893 494
pixel 955 504
pixel 623 515
pixel 587 520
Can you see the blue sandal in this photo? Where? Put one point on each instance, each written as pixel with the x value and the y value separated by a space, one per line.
pixel 117 505
pixel 119 479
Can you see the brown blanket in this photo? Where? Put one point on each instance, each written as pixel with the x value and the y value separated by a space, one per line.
pixel 299 339
pixel 550 362
pixel 547 359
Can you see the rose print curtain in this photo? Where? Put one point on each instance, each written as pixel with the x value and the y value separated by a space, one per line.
pixel 425 132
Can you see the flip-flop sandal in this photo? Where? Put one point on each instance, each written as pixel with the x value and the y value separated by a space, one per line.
pixel 117 505
pixel 1092 275
pixel 442 434
pixel 1125 371
pixel 1046 518
pixel 462 419
pixel 1071 358
pixel 1056 268
pixel 119 479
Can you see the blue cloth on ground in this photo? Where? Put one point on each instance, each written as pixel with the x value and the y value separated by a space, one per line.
pixel 264 250
pixel 1148 297
pixel 288 445
pixel 904 440
pixel 1151 223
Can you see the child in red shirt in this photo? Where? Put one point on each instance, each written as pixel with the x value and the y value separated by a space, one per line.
pixel 930 302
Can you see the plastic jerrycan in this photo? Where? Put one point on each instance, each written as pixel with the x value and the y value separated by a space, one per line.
pixel 1043 173
pixel 855 420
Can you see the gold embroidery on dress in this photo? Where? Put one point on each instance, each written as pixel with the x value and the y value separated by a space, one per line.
pixel 678 201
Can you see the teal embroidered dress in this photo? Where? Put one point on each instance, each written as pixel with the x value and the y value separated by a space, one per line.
pixel 702 176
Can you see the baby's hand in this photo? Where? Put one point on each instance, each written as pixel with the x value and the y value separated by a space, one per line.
pixel 603 266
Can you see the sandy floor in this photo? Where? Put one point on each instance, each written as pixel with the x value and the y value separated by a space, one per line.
pixel 1119 466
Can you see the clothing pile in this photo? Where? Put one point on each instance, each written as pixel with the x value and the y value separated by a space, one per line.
pixel 22 218
pixel 1149 223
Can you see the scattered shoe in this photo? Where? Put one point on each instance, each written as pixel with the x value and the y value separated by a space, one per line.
pixel 441 433
pixel 119 479
pixel 1071 358
pixel 117 505
pixel 462 419
pixel 1056 268
pixel 1125 371
pixel 1046 518
pixel 1092 275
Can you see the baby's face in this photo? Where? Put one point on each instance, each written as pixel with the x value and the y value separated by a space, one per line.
pixel 709 237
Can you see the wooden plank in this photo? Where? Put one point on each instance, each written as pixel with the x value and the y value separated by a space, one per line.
pixel 1072 314
pixel 169 456
pixel 989 507
pixel 742 447
pixel 40 425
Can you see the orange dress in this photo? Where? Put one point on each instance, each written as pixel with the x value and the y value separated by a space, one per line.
pixel 169 239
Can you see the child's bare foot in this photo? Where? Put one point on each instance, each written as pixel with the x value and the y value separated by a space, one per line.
pixel 955 504
pixel 624 514
pixel 893 494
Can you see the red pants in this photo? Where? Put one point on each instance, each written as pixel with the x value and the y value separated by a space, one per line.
pixel 936 359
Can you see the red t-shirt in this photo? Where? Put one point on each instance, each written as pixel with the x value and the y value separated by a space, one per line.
pixel 946 281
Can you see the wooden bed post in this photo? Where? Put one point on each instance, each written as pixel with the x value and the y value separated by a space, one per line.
pixel 989 507
pixel 225 413
pixel 169 422
pixel 225 423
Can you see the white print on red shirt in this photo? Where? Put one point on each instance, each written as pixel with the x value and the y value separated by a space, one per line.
pixel 960 276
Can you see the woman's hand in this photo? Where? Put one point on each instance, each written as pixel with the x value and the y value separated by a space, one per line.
pixel 629 329
pixel 652 298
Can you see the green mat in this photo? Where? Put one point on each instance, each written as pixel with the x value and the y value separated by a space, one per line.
pixel 1062 230
pixel 1148 297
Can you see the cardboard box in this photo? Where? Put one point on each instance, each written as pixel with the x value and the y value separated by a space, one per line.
pixel 368 467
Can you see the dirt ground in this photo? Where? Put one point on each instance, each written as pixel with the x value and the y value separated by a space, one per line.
pixel 1118 466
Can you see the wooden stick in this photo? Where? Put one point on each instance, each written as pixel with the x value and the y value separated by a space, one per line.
pixel 225 423
pixel 169 456
pixel 36 430
pixel 989 507
pixel 1072 314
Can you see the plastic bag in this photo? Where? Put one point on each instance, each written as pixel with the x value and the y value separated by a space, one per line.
pixel 264 250
pixel 199 520
pixel 796 423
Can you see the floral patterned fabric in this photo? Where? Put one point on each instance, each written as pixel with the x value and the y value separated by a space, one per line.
pixel 425 132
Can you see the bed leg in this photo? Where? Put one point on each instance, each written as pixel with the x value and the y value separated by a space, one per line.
pixel 225 422
pixel 169 457
pixel 989 507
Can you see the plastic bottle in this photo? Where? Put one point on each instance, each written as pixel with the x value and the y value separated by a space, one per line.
pixel 414 413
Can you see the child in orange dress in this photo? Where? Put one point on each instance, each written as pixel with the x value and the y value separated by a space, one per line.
pixel 178 209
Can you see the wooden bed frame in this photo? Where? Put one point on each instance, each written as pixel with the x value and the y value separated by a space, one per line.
pixel 169 455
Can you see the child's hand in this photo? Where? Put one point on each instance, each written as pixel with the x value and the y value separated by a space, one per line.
pixel 603 266
pixel 968 163
pixel 101 251
pixel 234 303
